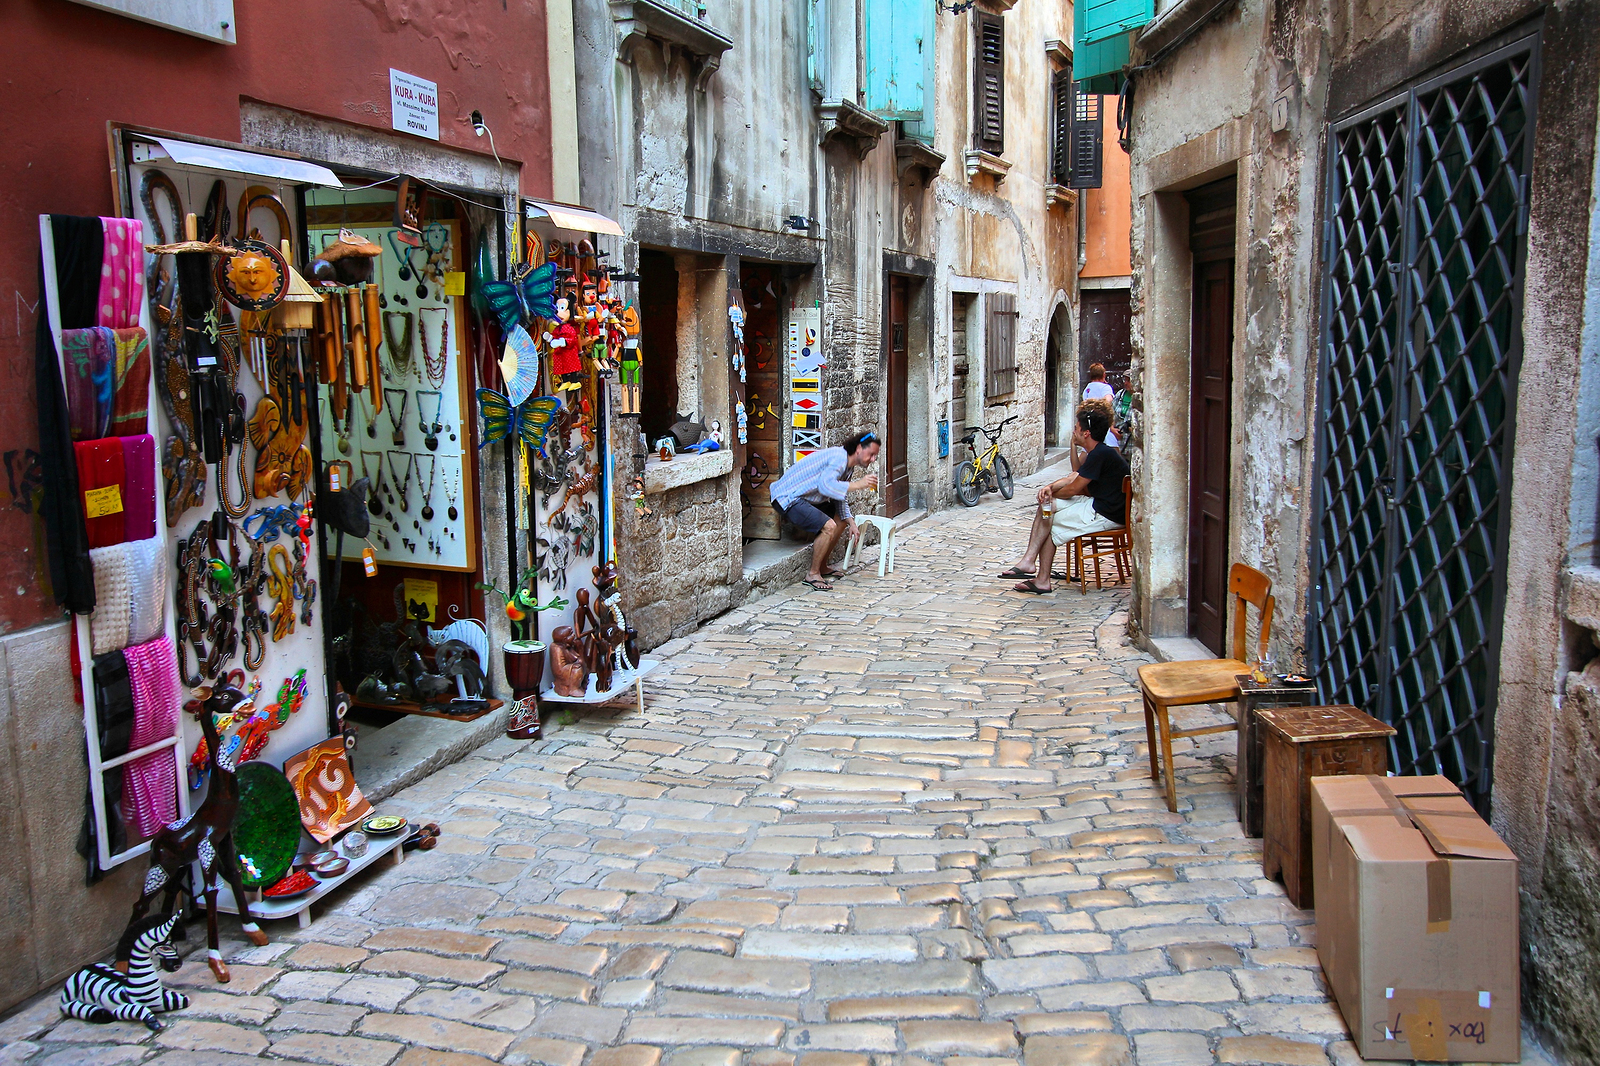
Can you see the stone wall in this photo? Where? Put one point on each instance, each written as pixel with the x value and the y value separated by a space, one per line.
pixel 682 563
pixel 1203 114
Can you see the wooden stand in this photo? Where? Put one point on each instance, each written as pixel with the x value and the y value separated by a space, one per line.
pixel 300 906
pixel 621 681
pixel 1247 772
pixel 1301 743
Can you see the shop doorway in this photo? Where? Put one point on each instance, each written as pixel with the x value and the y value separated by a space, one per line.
pixel 1211 212
pixel 658 325
pixel 896 493
pixel 1104 337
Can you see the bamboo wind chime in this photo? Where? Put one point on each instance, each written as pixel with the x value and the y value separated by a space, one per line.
pixel 349 339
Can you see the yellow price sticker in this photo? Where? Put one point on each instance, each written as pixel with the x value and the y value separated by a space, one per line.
pixel 97 503
pixel 420 591
pixel 455 283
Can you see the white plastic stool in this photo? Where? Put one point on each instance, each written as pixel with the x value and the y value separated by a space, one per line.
pixel 885 528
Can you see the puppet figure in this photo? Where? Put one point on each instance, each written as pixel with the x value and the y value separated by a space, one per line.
pixel 630 375
pixel 566 360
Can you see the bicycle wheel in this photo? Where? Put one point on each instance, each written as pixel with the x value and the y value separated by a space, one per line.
pixel 1002 469
pixel 967 488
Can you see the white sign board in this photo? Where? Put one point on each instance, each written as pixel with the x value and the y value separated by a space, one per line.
pixel 210 19
pixel 413 105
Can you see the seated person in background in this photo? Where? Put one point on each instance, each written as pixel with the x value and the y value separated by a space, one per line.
pixel 811 495
pixel 1087 501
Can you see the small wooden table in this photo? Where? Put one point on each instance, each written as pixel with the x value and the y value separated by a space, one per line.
pixel 1300 743
pixel 1247 772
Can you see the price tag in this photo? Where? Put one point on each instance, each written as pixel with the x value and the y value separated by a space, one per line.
pixel 335 483
pixel 369 559
pixel 97 503
pixel 423 592
pixel 455 282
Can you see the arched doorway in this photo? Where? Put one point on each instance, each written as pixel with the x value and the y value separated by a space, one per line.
pixel 1057 378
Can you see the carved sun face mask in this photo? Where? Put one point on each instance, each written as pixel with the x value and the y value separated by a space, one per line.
pixel 252 275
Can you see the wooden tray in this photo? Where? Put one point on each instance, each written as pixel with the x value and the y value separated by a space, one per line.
pixel 408 707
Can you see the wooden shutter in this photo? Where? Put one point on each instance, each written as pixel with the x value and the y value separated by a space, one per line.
pixel 899 50
pixel 1061 92
pixel 1088 141
pixel 1000 345
pixel 989 83
pixel 1108 18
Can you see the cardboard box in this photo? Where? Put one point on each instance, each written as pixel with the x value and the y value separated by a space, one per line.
pixel 1417 921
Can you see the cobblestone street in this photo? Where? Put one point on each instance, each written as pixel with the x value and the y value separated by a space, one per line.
pixel 908 821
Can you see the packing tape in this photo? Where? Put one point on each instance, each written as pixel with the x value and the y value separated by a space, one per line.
pixel 1439 896
pixel 1430 1020
pixel 1438 871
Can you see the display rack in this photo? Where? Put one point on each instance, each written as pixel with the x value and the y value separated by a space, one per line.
pixel 621 681
pixel 299 907
pixel 98 764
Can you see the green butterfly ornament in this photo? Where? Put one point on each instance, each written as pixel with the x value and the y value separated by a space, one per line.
pixel 529 420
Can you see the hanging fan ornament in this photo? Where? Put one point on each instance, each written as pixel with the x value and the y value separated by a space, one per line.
pixel 255 277
pixel 519 366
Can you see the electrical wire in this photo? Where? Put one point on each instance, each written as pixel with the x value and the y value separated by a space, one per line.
pixel 1125 95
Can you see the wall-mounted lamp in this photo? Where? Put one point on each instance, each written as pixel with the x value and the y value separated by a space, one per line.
pixel 798 222
pixel 481 128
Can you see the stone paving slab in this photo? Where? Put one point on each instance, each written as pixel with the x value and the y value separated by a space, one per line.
pixel 908 822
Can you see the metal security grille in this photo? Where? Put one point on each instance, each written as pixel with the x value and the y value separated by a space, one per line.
pixel 1422 311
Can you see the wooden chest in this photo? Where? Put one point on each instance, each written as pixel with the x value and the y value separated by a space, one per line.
pixel 1299 743
pixel 1247 771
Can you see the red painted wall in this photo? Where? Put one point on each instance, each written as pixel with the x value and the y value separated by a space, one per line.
pixel 67 70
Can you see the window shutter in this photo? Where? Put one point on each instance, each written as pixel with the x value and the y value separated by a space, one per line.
pixel 1097 60
pixel 1000 347
pixel 1061 92
pixel 899 49
pixel 1108 18
pixel 1088 141
pixel 989 83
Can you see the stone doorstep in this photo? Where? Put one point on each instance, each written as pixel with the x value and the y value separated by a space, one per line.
pixel 397 756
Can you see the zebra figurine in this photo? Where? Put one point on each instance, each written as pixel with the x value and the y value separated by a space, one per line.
pixel 98 993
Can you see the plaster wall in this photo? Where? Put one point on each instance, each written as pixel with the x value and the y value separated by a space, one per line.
pixel 1002 236
pixel 1108 210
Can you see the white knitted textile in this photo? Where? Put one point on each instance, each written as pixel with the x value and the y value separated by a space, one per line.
pixel 147 591
pixel 108 625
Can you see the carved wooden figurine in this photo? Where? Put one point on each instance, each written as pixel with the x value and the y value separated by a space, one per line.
pixel 569 663
pixel 206 837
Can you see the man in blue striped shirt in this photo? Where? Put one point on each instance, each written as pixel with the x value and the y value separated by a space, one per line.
pixel 811 495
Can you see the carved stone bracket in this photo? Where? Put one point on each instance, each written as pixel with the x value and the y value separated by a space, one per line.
pixel 981 162
pixel 851 123
pixel 910 154
pixel 1059 195
pixel 670 28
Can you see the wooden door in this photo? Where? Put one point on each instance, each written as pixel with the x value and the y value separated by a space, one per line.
pixel 896 472
pixel 1210 429
pixel 658 320
pixel 761 287
pixel 1052 386
pixel 1104 337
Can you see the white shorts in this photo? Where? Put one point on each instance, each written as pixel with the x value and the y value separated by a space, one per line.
pixel 1076 517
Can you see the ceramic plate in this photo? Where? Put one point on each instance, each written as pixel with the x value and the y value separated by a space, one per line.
pixel 296 884
pixel 383 825
pixel 266 831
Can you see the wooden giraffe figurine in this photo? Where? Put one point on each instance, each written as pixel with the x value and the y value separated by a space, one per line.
pixel 206 837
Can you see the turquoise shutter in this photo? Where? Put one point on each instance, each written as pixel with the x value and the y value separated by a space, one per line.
pixel 1102 19
pixel 899 55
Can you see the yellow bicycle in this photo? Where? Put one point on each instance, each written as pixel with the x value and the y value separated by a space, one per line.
pixel 985 470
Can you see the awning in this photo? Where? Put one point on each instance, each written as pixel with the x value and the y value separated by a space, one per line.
pixel 566 216
pixel 211 157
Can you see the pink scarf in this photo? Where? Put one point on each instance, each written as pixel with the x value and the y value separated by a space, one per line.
pixel 150 783
pixel 121 273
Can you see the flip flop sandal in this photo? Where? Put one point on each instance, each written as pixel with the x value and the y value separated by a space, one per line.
pixel 820 585
pixel 1029 586
pixel 833 573
pixel 1016 571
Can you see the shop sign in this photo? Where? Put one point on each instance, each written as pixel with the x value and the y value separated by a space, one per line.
pixel 413 104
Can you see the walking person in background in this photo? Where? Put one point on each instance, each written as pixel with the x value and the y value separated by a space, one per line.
pixel 811 496
pixel 1089 500
pixel 1098 389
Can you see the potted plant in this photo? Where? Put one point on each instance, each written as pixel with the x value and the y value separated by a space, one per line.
pixel 523 653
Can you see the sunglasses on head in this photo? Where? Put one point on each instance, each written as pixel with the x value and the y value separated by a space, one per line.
pixel 869 438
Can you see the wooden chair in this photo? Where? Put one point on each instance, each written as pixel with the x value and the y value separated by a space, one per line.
pixel 1115 543
pixel 1187 684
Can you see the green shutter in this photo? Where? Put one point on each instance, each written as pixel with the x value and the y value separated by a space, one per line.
pixel 899 54
pixel 1097 62
pixel 1102 19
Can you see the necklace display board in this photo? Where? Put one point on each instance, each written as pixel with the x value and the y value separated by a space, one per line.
pixel 416 450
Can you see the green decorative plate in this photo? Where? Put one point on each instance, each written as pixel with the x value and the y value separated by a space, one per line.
pixel 266 831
